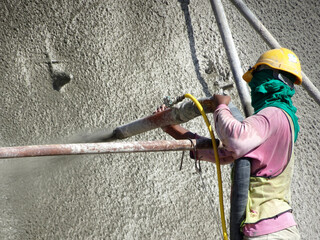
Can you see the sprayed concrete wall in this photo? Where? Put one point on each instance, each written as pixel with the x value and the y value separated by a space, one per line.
pixel 118 59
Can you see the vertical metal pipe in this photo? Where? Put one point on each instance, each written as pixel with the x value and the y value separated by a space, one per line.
pixel 232 55
pixel 241 167
pixel 273 43
pixel 256 24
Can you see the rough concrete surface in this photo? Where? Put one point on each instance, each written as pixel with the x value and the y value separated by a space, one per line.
pixel 69 67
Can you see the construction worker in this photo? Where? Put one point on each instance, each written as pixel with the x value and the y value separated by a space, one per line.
pixel 266 138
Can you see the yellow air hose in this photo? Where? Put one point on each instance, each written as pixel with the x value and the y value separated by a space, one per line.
pixel 216 156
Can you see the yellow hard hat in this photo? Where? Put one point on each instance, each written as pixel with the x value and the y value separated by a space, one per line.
pixel 281 59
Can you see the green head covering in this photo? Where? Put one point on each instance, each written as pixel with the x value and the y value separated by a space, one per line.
pixel 267 91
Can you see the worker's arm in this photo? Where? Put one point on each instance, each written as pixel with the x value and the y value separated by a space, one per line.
pixel 241 138
pixel 175 131
pixel 178 132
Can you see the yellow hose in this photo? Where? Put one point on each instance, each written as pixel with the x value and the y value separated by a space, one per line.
pixel 215 149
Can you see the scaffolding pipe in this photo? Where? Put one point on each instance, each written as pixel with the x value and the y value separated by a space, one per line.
pixel 232 56
pixel 241 166
pixel 103 148
pixel 273 43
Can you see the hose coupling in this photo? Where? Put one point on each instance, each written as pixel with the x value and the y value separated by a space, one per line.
pixel 169 101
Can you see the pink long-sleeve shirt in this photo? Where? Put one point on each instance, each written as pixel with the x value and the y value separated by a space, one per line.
pixel 265 138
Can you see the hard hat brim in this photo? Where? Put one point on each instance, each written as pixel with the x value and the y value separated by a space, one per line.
pixel 249 74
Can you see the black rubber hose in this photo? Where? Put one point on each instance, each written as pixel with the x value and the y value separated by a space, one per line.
pixel 239 189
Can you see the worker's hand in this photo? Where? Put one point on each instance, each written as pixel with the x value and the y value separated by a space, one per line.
pixel 176 131
pixel 220 99
pixel 161 108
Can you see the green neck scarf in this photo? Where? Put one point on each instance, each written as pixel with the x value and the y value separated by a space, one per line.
pixel 266 91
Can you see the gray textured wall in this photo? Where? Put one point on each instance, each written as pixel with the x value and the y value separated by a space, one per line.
pixel 125 56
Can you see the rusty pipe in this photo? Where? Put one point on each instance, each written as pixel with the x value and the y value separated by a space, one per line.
pixel 103 148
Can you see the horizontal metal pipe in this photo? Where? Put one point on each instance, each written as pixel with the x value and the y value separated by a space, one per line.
pixel 101 148
pixel 273 43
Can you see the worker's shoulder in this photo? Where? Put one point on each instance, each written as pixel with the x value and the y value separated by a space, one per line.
pixel 272 111
pixel 275 115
